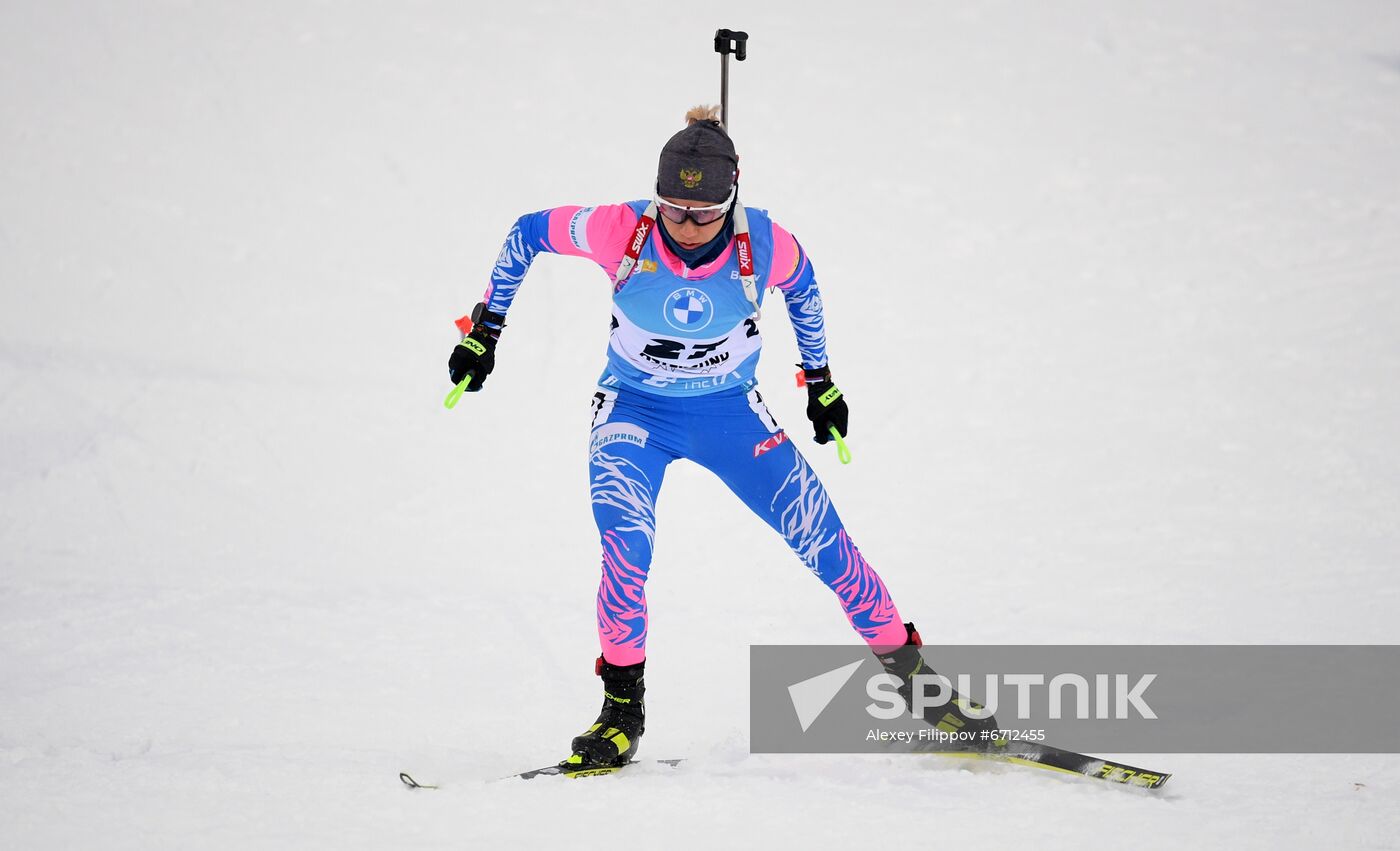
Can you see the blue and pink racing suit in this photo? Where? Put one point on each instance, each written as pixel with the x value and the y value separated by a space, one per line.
pixel 679 383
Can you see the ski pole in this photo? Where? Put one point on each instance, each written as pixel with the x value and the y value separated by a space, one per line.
pixel 842 450
pixel 456 392
pixel 727 42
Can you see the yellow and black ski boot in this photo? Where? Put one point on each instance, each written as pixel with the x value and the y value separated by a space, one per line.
pixel 614 737
pixel 961 717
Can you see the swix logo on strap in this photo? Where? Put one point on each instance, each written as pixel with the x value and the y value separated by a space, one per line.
pixel 771 443
pixel 745 254
pixel 640 237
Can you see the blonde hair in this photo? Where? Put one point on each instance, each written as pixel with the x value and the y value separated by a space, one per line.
pixel 702 112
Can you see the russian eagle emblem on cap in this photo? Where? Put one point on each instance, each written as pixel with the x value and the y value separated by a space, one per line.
pixel 691 177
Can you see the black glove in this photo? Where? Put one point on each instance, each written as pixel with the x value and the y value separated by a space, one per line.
pixel 477 351
pixel 826 407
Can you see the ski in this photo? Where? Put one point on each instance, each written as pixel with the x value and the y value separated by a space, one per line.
pixel 1037 755
pixel 562 770
pixel 1031 754
pixel 557 770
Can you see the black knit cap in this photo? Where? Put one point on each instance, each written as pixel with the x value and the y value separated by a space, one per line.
pixel 698 164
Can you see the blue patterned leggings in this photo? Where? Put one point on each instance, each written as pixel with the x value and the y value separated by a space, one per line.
pixel 730 433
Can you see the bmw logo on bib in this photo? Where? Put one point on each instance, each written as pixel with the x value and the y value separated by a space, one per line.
pixel 688 309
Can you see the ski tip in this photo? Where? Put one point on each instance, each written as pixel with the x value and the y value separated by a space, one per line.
pixel 408 781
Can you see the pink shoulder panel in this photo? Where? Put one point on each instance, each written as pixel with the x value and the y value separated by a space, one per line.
pixel 598 233
pixel 788 259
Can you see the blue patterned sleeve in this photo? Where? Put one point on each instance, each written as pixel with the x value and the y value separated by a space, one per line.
pixel 527 238
pixel 804 306
pixel 790 270
pixel 599 234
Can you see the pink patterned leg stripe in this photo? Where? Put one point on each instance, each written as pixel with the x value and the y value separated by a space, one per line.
pixel 623 494
pixel 622 604
pixel 863 596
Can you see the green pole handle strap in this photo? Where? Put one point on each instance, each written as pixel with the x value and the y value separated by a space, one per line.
pixel 842 450
pixel 456 392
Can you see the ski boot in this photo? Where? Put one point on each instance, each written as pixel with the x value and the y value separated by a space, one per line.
pixel 906 662
pixel 614 737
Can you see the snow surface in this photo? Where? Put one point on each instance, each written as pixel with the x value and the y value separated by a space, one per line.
pixel 1111 286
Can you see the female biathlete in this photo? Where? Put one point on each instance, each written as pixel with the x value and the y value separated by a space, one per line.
pixel 679 383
